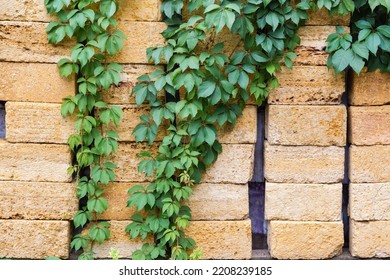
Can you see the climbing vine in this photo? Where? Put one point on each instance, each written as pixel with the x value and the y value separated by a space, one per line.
pixel 92 25
pixel 207 82
pixel 210 82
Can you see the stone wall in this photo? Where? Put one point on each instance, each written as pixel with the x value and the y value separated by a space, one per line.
pixel 306 135
pixel 306 129
pixel 369 191
pixel 37 196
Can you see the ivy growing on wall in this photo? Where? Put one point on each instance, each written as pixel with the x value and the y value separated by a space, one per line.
pixel 207 84
pixel 92 26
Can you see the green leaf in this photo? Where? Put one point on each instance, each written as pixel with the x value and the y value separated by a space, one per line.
pixel 206 89
pixel 360 49
pixel 384 30
pixel 341 59
pixel 373 42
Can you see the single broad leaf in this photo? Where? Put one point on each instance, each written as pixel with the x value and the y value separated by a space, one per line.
pixel 206 89
pixel 360 49
pixel 384 30
pixel 341 59
pixel 373 42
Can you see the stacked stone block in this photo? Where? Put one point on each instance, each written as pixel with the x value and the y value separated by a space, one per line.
pixel 37 196
pixel 369 193
pixel 304 152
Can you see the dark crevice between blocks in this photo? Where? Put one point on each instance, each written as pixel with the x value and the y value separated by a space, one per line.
pixel 257 187
pixel 2 120
pixel 346 181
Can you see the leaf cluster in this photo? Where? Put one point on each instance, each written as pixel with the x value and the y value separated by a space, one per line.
pixel 92 25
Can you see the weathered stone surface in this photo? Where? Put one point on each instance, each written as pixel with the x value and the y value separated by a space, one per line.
pixel 369 239
pixel 27 42
pixel 140 36
pixel 218 240
pixel 370 89
pixel 306 125
pixel 223 239
pixel 303 164
pixel 322 17
pixel 139 10
pixel 34 239
pixel 207 202
pixel 234 165
pixel 369 164
pixel 369 125
pixel 119 240
pixel 305 240
pixel 245 129
pixel 303 202
pixel 313 43
pixel 34 10
pixel 37 123
pixel 369 202
pixel 34 82
pixel 219 202
pixel 127 161
pixel 34 162
pixel 121 93
pixel 41 201
pixel 308 85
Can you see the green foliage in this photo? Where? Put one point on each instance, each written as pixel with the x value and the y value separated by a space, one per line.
pixel 208 84
pixel 214 85
pixel 91 24
pixel 369 42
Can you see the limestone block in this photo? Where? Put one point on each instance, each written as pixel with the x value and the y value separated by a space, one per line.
pixel 127 162
pixel 244 131
pixel 308 85
pixel 370 89
pixel 34 162
pixel 306 125
pixel 219 202
pixel 37 200
pixel 121 94
pixel 139 10
pixel 369 125
pixel 223 239
pixel 369 239
pixel 234 165
pixel 207 202
pixel 303 164
pixel 311 51
pixel 218 240
pixel 305 240
pixel 322 17
pixel 303 202
pixel 27 42
pixel 34 82
pixel 37 123
pixel 21 239
pixel 34 10
pixel 369 164
pixel 369 202
pixel 140 36
pixel 119 240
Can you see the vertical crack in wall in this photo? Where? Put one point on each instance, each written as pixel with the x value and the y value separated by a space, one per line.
pixel 257 187
pixel 2 120
pixel 346 181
